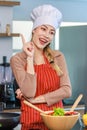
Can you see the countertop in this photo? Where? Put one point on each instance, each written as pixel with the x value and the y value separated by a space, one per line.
pixel 76 127
pixel 79 108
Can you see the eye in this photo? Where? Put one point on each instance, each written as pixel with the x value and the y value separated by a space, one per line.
pixel 52 33
pixel 43 28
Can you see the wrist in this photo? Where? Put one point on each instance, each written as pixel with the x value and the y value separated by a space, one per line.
pixel 30 65
pixel 29 59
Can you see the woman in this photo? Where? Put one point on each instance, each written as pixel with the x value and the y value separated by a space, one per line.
pixel 40 72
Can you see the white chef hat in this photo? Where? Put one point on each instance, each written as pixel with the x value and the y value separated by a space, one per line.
pixel 46 14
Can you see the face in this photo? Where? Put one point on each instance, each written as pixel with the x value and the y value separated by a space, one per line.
pixel 42 36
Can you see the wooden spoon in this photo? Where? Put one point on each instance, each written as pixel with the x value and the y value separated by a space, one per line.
pixel 34 107
pixel 76 102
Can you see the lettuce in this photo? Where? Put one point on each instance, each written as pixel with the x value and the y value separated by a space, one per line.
pixel 58 112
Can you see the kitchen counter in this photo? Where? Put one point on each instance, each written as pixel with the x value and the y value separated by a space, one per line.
pixel 76 127
pixel 79 108
pixel 12 110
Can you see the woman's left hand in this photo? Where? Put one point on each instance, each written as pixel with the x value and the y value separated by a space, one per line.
pixel 19 94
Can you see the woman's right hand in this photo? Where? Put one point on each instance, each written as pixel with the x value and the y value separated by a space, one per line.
pixel 28 47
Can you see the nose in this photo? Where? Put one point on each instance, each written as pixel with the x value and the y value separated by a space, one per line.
pixel 47 35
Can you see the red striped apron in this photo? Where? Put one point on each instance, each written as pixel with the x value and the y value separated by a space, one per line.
pixel 47 81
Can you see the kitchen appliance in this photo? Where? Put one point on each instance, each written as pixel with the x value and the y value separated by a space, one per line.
pixel 7 95
pixel 9 120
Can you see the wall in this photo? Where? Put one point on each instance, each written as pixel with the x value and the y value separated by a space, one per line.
pixel 6 17
pixel 73 10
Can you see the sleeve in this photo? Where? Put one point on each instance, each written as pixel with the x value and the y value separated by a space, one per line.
pixel 65 90
pixel 26 81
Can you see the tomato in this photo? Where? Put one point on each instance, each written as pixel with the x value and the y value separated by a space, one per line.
pixel 70 113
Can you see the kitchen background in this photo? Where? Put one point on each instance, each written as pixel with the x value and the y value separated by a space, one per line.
pixel 72 39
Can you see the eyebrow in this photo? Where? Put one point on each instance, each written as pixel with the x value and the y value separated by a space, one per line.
pixel 47 27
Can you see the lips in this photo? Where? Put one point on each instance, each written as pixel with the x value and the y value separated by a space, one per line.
pixel 43 41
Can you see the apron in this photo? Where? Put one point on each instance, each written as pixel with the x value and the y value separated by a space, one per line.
pixel 47 81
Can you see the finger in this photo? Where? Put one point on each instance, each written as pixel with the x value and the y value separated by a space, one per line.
pixel 19 96
pixel 17 91
pixel 23 39
pixel 31 47
pixel 31 43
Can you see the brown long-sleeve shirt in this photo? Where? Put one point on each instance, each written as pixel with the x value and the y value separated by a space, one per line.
pixel 27 82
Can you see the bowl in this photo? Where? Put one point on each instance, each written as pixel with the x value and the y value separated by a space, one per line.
pixel 9 120
pixel 60 122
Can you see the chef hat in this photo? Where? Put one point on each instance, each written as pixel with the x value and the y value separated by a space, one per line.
pixel 46 14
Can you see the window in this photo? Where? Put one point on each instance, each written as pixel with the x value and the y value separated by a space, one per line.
pixel 23 27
